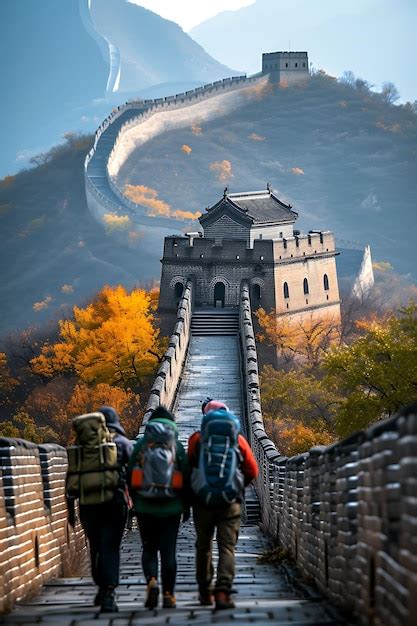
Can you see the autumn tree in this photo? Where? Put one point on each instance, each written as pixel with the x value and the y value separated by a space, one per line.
pixel 113 340
pixel 305 340
pixel 377 373
pixel 7 382
pixel 23 426
pixel 298 394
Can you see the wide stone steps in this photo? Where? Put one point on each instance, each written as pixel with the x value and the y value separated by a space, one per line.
pixel 214 323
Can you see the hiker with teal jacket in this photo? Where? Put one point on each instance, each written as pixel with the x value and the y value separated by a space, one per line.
pixel 159 486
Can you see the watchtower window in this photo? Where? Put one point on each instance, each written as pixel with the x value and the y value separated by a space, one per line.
pixel 296 65
pixel 304 64
pixel 286 291
pixel 326 282
pixel 305 286
pixel 286 65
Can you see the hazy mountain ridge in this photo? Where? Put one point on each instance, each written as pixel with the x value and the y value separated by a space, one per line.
pixel 153 50
pixel 374 38
pixel 346 161
pixel 56 68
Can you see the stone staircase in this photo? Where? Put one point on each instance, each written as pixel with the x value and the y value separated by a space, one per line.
pixel 211 322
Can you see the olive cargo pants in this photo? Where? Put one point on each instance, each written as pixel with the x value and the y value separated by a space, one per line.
pixel 227 522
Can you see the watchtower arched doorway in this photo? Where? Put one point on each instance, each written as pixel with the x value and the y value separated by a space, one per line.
pixel 256 296
pixel 219 294
pixel 178 291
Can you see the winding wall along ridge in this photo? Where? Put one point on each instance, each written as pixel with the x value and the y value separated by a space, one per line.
pixel 102 192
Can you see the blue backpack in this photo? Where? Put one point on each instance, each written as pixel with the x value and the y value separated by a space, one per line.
pixel 218 479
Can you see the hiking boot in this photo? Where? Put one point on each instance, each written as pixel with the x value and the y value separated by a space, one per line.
pixel 223 601
pixel 99 596
pixel 169 601
pixel 108 602
pixel 152 593
pixel 206 597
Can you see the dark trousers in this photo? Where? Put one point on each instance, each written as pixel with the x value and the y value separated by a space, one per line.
pixel 227 522
pixel 159 534
pixel 104 524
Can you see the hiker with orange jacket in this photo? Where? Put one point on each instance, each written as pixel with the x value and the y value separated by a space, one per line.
pixel 222 465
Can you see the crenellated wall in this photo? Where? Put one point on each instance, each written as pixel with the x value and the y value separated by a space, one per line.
pixel 347 514
pixel 100 171
pixel 168 376
pixel 36 542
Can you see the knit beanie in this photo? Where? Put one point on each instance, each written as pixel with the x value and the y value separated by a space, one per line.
pixel 161 411
pixel 215 405
pixel 112 419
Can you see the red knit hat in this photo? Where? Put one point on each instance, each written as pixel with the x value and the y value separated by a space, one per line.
pixel 215 405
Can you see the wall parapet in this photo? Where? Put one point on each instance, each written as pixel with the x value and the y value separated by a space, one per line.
pixel 148 109
pixel 36 542
pixel 168 375
pixel 345 513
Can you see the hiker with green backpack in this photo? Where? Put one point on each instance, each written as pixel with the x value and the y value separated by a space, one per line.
pixel 222 465
pixel 97 478
pixel 159 486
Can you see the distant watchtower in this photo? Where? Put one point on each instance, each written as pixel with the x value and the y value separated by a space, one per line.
pixel 286 67
pixel 250 236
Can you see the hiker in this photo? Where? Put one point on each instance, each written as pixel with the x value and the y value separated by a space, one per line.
pixel 96 475
pixel 159 486
pixel 222 465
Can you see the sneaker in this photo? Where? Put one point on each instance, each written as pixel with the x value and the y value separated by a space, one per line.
pixel 169 601
pixel 99 596
pixel 223 600
pixel 206 597
pixel 108 602
pixel 152 593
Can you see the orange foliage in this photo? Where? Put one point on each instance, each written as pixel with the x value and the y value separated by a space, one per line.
pixel 57 402
pixel 148 197
pixel 196 129
pixel 293 437
pixel 307 339
pixel 222 169
pixel 112 340
pixel 186 149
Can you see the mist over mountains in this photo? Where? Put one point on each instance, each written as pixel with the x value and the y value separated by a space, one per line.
pixel 61 71
pixel 373 38
pixel 346 161
pixel 342 157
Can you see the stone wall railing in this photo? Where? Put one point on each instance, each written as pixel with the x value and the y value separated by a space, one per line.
pixel 263 448
pixel 150 108
pixel 165 385
pixel 347 513
pixel 36 542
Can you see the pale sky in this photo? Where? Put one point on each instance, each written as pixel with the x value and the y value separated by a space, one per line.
pixel 189 13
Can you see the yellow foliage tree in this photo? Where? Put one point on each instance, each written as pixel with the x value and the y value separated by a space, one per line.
pixel 112 340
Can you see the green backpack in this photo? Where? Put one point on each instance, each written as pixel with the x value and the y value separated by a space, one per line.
pixel 93 472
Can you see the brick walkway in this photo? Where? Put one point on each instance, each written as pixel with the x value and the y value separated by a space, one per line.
pixel 264 592
pixel 265 595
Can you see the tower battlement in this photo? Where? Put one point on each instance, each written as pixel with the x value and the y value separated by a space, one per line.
pixel 287 67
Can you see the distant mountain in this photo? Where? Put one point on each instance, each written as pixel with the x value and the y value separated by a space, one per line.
pixel 338 36
pixel 152 50
pixel 53 253
pixel 50 68
pixel 346 160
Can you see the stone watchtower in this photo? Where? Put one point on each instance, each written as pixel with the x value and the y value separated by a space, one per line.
pixel 250 236
pixel 288 67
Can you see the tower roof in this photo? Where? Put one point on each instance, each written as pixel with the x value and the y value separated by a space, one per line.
pixel 260 207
